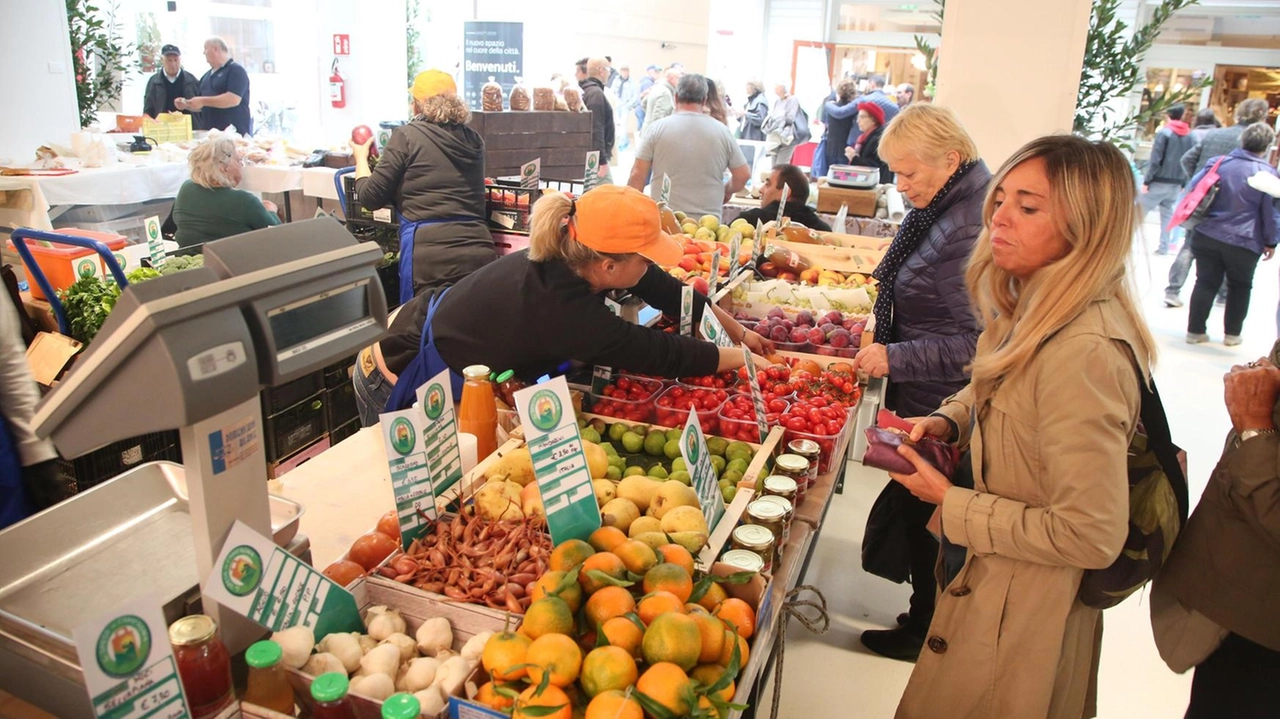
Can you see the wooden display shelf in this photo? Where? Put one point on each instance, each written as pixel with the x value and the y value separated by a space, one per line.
pixel 839 259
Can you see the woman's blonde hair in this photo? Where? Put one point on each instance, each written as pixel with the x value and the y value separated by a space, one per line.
pixel 549 234
pixel 443 109
pixel 927 132
pixel 1094 204
pixel 209 161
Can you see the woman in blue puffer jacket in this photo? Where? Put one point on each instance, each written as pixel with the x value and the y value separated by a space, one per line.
pixel 1241 226
pixel 925 329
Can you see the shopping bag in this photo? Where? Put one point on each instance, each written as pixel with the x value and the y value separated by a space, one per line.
pixel 1195 204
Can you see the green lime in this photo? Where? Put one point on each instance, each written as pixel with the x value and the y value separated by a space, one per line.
pixel 738 448
pixel 738 465
pixel 657 471
pixel 677 465
pixel 608 449
pixel 672 449
pixel 731 476
pixel 654 443
pixel 673 435
pixel 619 462
pixel 613 473
pixel 729 494
pixel 616 431
pixel 633 471
pixel 682 477
pixel 632 442
pixel 582 423
pixel 589 434
pixel 717 445
pixel 718 464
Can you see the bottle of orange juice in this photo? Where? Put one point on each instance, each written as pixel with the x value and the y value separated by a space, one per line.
pixel 478 414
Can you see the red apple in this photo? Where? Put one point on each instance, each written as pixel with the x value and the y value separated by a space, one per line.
pixel 361 134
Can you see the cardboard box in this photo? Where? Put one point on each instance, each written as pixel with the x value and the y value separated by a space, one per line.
pixel 862 203
pixel 49 354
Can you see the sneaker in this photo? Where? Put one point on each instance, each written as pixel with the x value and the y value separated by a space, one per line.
pixel 1220 302
pixel 1195 339
pixel 902 643
pixel 1232 340
pixel 1172 301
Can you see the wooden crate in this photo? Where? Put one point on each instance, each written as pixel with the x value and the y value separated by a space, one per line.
pixel 561 139
pixel 862 203
pixel 416 608
pixel 840 259
pixel 861 242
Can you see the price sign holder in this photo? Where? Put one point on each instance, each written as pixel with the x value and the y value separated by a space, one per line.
pixel 664 194
pixel 840 221
pixel 444 457
pixel 686 311
pixel 782 206
pixel 716 260
pixel 531 174
pixel 757 248
pixel 712 331
pixel 757 397
pixel 735 251
pixel 559 462
pixel 402 435
pixel 155 243
pixel 129 669
pixel 693 447
pixel 591 171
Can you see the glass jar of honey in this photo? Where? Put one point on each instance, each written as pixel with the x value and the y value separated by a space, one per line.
pixel 776 485
pixel 788 511
pixel 797 468
pixel 810 450
pixel 744 560
pixel 204 665
pixel 755 539
pixel 770 516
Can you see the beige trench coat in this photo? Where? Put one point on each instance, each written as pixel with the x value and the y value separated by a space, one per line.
pixel 1009 640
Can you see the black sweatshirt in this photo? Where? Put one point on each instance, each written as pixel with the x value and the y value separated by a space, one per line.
pixel 531 317
pixel 602 129
pixel 797 211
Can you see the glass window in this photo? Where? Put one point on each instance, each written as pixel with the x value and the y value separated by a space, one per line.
pixel 252 42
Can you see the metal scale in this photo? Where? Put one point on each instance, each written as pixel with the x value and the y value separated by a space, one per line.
pixel 190 350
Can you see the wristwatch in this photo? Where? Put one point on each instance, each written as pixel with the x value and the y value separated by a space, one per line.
pixel 1248 434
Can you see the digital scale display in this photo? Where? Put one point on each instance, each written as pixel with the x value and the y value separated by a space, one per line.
pixel 311 322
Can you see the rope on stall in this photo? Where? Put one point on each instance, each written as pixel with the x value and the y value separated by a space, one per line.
pixel 819 625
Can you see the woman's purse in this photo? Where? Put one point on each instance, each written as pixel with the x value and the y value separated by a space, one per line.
pixel 1195 204
pixel 892 432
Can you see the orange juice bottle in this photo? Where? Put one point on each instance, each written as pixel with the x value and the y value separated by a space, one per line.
pixel 478 414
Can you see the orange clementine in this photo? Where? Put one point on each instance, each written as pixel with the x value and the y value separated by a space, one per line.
pixel 551 697
pixel 608 668
pixel 548 583
pixel 614 704
pixel 668 685
pixel 710 709
pixel 673 638
pixel 608 603
pixel 739 614
pixel 558 656
pixel 670 578
pixel 715 594
pixel 489 696
pixel 712 631
pixel 636 555
pixel 606 562
pixel 549 615
pixel 623 632
pixel 709 674
pixel 726 651
pixel 569 554
pixel 676 554
pixel 504 651
pixel 605 539
pixel 658 603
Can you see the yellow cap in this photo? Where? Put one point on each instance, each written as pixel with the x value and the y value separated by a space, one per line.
pixel 430 83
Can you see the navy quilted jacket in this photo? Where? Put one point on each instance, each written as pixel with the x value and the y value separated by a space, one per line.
pixel 934 329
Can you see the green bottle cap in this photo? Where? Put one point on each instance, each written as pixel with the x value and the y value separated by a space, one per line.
pixel 506 376
pixel 401 706
pixel 329 687
pixel 264 654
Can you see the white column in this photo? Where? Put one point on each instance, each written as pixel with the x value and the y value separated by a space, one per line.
pixel 1011 68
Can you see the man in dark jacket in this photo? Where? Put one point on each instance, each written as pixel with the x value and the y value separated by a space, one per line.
pixel 797 208
pixel 602 127
pixel 168 84
pixel 1165 177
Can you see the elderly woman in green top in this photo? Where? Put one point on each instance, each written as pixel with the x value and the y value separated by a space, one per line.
pixel 209 207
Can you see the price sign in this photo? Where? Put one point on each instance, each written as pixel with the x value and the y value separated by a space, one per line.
pixel 693 447
pixel 757 249
pixel 128 664
pixel 782 205
pixel 258 580
pixel 602 375
pixel 757 397
pixel 735 251
pixel 155 243
pixel 531 174
pixel 716 260
pixel 444 458
pixel 559 462
pixel 686 311
pixel 712 331
pixel 839 223
pixel 591 171
pixel 664 194
pixel 403 436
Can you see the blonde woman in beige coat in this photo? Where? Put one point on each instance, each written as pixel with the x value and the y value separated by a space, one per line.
pixel 1048 418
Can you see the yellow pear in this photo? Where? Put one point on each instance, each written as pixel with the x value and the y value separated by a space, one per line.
pixel 499 500
pixel 597 460
pixel 619 513
pixel 644 525
pixel 639 489
pixel 692 541
pixel 652 539
pixel 605 490
pixel 515 466
pixel 671 495
pixel 684 519
pixel 531 501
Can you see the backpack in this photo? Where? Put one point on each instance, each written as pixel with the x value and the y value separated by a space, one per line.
pixel 1158 507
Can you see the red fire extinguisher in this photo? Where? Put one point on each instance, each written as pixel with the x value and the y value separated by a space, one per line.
pixel 337 87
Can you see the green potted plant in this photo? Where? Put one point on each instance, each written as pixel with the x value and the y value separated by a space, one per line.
pixel 100 56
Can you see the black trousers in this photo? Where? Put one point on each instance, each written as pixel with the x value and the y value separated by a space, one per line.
pixel 1240 680
pixel 1215 260
pixel 922 549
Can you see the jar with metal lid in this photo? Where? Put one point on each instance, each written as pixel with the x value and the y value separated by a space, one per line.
pixel 810 450
pixel 744 560
pixel 797 468
pixel 788 511
pixel 771 516
pixel 204 665
pixel 755 539
pixel 777 485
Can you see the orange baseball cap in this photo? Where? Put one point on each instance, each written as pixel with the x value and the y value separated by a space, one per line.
pixel 618 219
pixel 430 83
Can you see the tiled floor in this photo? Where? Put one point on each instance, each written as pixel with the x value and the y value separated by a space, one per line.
pixel 823 674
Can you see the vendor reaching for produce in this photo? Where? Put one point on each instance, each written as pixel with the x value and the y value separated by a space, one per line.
pixel 432 172
pixel 532 310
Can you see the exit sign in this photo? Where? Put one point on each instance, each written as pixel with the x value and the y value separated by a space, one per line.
pixel 341 44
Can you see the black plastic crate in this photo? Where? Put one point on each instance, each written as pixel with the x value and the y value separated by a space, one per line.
pixel 389 276
pixel 507 205
pixel 295 427
pixel 337 434
pixel 339 373
pixel 340 405
pixel 110 461
pixel 279 398
pixel 356 213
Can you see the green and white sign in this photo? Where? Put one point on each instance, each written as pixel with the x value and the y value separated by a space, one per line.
pixel 128 664
pixel 782 205
pixel 444 458
pixel 839 224
pixel 87 266
pixel 603 375
pixel 403 437
pixel 693 447
pixel 559 462
pixel 155 242
pixel 664 193
pixel 757 397
pixel 712 331
pixel 531 174
pixel 591 171
pixel 716 260
pixel 686 311
pixel 256 579
pixel 735 251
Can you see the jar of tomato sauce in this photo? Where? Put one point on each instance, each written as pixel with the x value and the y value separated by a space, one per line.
pixel 204 665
